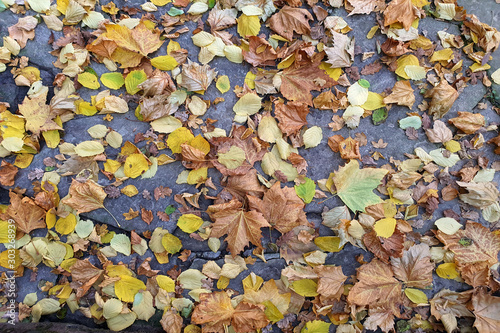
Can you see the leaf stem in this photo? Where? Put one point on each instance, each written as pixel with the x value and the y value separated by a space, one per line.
pixel 114 218
pixel 333 196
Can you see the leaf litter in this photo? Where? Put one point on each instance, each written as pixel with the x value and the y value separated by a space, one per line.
pixel 301 59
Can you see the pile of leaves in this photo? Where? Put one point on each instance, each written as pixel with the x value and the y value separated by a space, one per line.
pixel 301 57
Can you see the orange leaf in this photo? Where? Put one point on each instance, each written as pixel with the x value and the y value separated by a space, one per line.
pixel 85 197
pixel 26 213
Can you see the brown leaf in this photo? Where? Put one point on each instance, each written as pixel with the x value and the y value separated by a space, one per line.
pixel 342 52
pixel 468 122
pixel 241 228
pixel 439 133
pixel 171 321
pixel 23 30
pixel 298 80
pixel 27 215
pixel 381 315
pixel 196 77
pixel 146 215
pixel 331 281
pixel 414 268
pixel 8 173
pixel 384 248
pixel 39 116
pixel 349 149
pixel 84 275
pixel 401 11
pixel 260 52
pixel 155 107
pixel 289 20
pixel 327 101
pixel 372 68
pixel 163 216
pixel 240 186
pixel 214 311
pixel 291 116
pixel 281 207
pixel 131 214
pixel 365 6
pixel 447 302
pixel 85 197
pixel 473 245
pixel 376 284
pixel 249 317
pixel 443 96
pixel 481 195
pixel 402 94
pixel 486 309
pixel 161 192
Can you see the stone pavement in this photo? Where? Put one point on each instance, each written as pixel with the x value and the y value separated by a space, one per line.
pixel 322 161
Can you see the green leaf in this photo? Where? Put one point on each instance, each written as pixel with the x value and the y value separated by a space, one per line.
pixel 306 191
pixel 355 186
pixel 133 79
pixel 112 80
pixel 379 116
pixel 364 83
pixel 175 11
pixel 416 296
pixel 170 209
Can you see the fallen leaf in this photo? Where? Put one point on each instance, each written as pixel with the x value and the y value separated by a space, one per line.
pixel 289 20
pixel 85 197
pixel 27 215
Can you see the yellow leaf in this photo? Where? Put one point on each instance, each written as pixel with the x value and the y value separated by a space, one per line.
pixel 165 63
pixel 189 223
pixel 223 282
pixel 129 190
pixel 334 73
pixel 250 80
pixel 89 148
pixel 6 259
pixel 197 176
pixel 232 159
pixel 248 105
pixel 165 283
pixel 223 84
pixel 416 296
pixel 127 287
pixel 86 109
pixel 177 138
pixel 272 312
pixel 66 225
pixel 374 101
pixel 385 227
pixel 305 287
pixel 372 32
pixel 112 80
pixel 200 143
pixel 88 80
pixel 453 146
pixel 133 79
pixel 135 165
pixel 111 165
pixel 443 55
pixel 248 25
pixel 23 160
pixel 52 138
pixel 50 219
pixel 328 243
pixel 160 2
pixel 404 61
pixel 171 243
pixel 447 271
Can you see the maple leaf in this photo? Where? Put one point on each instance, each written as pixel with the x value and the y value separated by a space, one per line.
pixel 402 94
pixel 448 302
pixel 39 116
pixel 486 309
pixel 215 311
pixel 241 228
pixel 384 248
pixel 140 39
pixel 23 30
pixel 443 96
pixel 281 207
pixel 376 284
pixel 196 77
pixel 131 214
pixel 480 195
pixel 291 116
pixel 414 268
pixel 249 317
pixel 342 52
pixel 355 186
pixel 27 215
pixel 240 186
pixel 290 19
pixel 8 173
pixel 260 52
pixel 331 281
pixel 401 11
pixel 439 133
pixel 381 315
pixel 298 80
pixel 473 245
pixel 85 197
pixel 84 275
pixel 269 292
